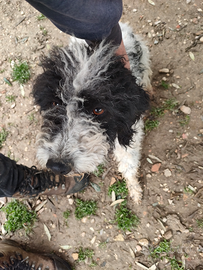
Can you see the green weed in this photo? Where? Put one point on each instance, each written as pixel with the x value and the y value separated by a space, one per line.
pixel 41 17
pixel 3 136
pixel 66 214
pixel 170 104
pixel 44 31
pixel 85 253
pixel 150 124
pixel 99 171
pixel 164 251
pixel 185 121
pixel 2 71
pixel 85 208
pixel 125 219
pixel 164 85
pixel 21 72
pixel 200 223
pixel 155 111
pixel 10 98
pixel 18 217
pixel 120 189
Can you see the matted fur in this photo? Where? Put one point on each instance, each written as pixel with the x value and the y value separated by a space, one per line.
pixel 91 104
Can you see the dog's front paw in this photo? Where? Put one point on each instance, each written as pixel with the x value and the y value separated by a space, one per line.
pixel 135 194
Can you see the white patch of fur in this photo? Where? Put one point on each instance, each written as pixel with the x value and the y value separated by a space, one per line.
pixel 128 161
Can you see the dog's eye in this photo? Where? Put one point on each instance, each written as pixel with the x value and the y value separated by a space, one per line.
pixel 98 111
pixel 55 103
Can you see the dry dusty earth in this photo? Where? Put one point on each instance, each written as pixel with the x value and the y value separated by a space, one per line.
pixel 172 190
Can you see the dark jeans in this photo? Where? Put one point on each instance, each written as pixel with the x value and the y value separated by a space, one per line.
pixel 11 175
pixel 92 20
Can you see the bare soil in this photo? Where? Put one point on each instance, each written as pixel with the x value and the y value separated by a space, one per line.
pixel 173 31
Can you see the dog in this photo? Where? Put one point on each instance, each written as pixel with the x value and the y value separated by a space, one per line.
pixel 91 105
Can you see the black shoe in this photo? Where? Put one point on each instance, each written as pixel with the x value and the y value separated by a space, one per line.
pixel 13 257
pixel 38 182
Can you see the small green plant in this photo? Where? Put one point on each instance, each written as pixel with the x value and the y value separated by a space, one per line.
pixel 155 111
pixel 2 70
pixel 120 189
pixel 84 253
pixel 44 31
pixel 18 217
pixel 164 84
pixel 150 124
pixel 99 171
pixel 85 208
pixel 200 223
pixel 170 104
pixel 164 251
pixel 41 17
pixel 66 214
pixel 188 190
pixel 185 121
pixel 125 219
pixel 3 136
pixel 10 98
pixel 21 72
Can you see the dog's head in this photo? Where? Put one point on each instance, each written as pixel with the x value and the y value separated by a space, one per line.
pixel 87 99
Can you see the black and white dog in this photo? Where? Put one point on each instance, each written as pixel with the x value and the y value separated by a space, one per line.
pixel 91 105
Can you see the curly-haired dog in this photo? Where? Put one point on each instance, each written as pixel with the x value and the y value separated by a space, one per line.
pixel 92 104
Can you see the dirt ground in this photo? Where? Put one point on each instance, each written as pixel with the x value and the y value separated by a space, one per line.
pixel 172 161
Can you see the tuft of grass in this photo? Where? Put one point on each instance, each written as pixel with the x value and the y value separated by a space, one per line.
pixel 150 124
pixel 85 208
pixel 21 72
pixel 66 214
pixel 44 31
pixel 170 104
pixel 10 98
pixel 185 121
pixel 18 217
pixel 164 84
pixel 120 188
pixel 164 251
pixel 200 223
pixel 84 253
pixel 41 17
pixel 99 171
pixel 3 136
pixel 125 219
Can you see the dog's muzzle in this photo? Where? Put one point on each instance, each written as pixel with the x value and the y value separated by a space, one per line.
pixel 59 167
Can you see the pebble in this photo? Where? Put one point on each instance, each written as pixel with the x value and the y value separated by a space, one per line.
pixel 71 201
pixel 75 256
pixel 138 248
pixel 167 235
pixel 185 109
pixel 164 70
pixel 92 220
pixel 119 237
pixel 83 234
pixel 201 39
pixel 167 173
pixel 144 242
pixel 156 167
pixel 93 240
pixel 84 220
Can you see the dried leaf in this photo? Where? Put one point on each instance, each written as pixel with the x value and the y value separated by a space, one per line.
pixel 113 196
pixel 39 206
pixel 95 187
pixel 47 232
pixel 192 56
pixel 66 247
pixel 117 202
pixel 151 2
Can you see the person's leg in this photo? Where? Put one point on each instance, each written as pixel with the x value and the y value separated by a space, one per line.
pixel 20 181
pixel 14 257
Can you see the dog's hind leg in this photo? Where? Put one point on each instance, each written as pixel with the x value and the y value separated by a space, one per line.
pixel 128 162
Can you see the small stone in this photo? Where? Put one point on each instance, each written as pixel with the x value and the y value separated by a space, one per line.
pixel 185 109
pixel 113 180
pixel 83 234
pixel 164 70
pixel 71 201
pixel 92 220
pixel 167 235
pixel 144 242
pixel 155 167
pixel 75 256
pixel 119 237
pixel 201 254
pixel 93 240
pixel 84 220
pixel 149 175
pixel 201 39
pixel 167 173
pixel 138 248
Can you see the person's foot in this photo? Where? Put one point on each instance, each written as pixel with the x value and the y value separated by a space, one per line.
pixel 13 257
pixel 41 182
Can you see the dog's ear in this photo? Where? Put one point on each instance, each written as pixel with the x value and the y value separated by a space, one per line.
pixel 135 106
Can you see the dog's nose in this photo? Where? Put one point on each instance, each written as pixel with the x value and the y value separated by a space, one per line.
pixel 59 167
